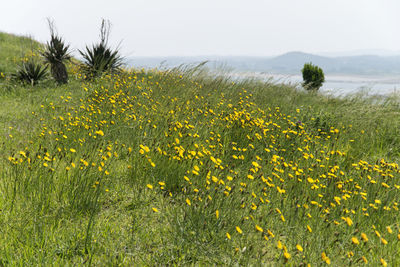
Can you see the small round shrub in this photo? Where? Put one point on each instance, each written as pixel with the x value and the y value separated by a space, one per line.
pixel 313 76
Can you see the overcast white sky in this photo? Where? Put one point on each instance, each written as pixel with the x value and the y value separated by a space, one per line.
pixel 213 27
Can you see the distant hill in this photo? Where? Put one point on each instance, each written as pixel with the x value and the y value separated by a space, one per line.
pixel 361 52
pixel 289 63
pixel 367 64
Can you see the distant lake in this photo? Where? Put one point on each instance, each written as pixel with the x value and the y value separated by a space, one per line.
pixel 337 85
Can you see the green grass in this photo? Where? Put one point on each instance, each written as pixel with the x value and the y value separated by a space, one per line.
pixel 132 169
pixel 13 49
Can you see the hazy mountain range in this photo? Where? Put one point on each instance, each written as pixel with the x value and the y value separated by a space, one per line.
pixel 289 63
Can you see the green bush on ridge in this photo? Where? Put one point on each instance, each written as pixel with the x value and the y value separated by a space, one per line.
pixel 313 76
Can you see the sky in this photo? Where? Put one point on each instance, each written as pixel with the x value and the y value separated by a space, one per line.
pixel 213 27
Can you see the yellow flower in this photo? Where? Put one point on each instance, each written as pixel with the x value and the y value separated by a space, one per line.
pixel 228 236
pixel 155 209
pixel 255 164
pixel 364 259
pixel 217 214
pixel 258 228
pixel 144 149
pixel 149 186
pixel 325 258
pixel 355 241
pixel 348 221
pixel 364 237
pixel 99 132
pixel 271 234
pixel 72 150
pixel 239 230
pixel 286 255
pixel 377 233
pixel 384 263
pixel 299 247
pixel 188 201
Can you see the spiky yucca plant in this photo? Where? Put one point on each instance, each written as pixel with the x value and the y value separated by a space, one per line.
pixel 56 54
pixel 30 72
pixel 100 57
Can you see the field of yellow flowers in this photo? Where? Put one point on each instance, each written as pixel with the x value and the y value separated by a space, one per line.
pixel 178 167
pixel 163 167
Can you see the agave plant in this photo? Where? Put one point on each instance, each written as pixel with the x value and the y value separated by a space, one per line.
pixel 56 54
pixel 100 57
pixel 30 72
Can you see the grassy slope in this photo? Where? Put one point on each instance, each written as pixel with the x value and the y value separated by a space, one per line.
pixel 59 208
pixel 13 48
pixel 17 102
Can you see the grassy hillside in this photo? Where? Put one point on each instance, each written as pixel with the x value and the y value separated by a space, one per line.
pixel 13 48
pixel 179 168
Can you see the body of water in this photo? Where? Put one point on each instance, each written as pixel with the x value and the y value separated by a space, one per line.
pixel 337 84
